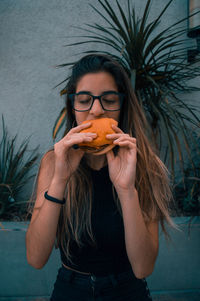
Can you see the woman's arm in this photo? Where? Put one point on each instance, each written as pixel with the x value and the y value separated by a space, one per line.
pixel 56 169
pixel 141 240
pixel 41 233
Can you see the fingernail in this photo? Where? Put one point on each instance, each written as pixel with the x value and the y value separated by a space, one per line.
pixel 75 146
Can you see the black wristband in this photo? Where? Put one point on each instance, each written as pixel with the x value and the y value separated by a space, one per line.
pixel 52 199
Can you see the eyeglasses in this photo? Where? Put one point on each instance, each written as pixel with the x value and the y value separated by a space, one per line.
pixel 83 101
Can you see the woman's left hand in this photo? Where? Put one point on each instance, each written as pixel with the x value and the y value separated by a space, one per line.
pixel 122 167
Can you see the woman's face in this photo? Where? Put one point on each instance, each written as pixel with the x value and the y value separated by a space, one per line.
pixel 96 84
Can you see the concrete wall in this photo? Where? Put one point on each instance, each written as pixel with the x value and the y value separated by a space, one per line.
pixel 32 36
pixel 176 269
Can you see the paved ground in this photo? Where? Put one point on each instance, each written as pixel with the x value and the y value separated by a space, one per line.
pixel 190 296
pixel 194 296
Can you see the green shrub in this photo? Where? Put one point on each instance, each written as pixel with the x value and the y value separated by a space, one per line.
pixel 14 174
pixel 187 189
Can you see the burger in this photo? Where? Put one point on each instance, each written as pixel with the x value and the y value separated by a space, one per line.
pixel 100 145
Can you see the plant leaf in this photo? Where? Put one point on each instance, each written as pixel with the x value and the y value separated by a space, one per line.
pixel 59 122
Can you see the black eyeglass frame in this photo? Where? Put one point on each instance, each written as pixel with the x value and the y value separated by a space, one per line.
pixel 121 98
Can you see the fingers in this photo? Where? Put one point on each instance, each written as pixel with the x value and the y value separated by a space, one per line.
pixel 77 138
pixel 80 127
pixel 74 137
pixel 87 138
pixel 125 144
pixel 118 133
pixel 116 137
pixel 117 129
pixel 123 140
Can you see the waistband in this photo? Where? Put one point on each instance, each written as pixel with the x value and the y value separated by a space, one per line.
pixel 102 283
pixel 96 277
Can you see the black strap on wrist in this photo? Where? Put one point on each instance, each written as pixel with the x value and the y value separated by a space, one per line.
pixel 52 199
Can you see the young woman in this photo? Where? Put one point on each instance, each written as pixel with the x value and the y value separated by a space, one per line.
pixel 107 229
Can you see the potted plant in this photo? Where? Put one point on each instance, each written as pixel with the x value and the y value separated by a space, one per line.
pixel 187 190
pixel 14 174
pixel 176 271
pixel 16 164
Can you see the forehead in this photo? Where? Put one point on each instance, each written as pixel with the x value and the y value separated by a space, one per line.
pixel 100 81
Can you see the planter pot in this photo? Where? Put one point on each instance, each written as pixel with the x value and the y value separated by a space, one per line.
pixel 178 262
pixel 18 278
pixel 176 269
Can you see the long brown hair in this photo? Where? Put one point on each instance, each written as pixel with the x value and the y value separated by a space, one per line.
pixel 152 178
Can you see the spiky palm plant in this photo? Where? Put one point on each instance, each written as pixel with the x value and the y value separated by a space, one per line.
pixel 14 174
pixel 158 68
pixel 187 193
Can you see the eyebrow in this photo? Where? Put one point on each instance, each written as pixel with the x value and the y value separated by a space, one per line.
pixel 89 92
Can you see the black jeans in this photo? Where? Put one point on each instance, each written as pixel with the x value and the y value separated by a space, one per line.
pixel 73 286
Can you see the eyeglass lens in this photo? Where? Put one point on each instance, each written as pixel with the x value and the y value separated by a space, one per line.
pixel 110 101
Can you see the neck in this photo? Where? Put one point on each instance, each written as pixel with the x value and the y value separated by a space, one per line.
pixel 96 162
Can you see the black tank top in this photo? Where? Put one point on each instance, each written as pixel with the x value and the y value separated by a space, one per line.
pixel 109 255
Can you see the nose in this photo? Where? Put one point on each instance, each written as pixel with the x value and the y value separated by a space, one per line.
pixel 97 108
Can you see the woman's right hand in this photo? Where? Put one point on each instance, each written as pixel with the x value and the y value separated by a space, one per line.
pixel 67 158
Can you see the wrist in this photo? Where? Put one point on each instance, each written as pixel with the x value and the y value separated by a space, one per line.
pixel 53 199
pixel 57 188
pixel 59 182
pixel 127 194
